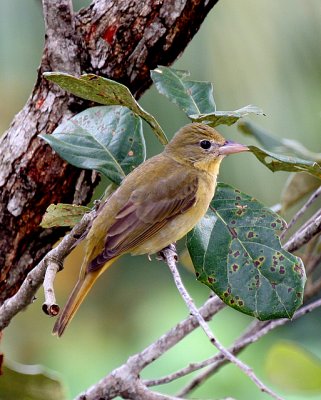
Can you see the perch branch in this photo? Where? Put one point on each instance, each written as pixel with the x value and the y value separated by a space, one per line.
pixel 170 256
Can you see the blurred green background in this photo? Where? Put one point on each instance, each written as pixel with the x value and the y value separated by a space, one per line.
pixel 266 53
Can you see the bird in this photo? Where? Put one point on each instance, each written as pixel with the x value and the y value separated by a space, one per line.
pixel 155 205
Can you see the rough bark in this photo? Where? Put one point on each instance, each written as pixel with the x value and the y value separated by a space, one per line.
pixel 122 40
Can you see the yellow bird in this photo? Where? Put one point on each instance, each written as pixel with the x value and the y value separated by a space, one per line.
pixel 157 204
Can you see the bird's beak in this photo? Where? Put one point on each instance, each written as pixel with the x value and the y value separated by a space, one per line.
pixel 230 147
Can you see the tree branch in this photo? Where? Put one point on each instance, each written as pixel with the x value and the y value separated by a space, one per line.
pixel 138 362
pixel 256 331
pixel 301 212
pixel 305 234
pixel 116 383
pixel 35 278
pixel 170 256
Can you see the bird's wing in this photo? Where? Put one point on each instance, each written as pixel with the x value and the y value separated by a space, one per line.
pixel 145 214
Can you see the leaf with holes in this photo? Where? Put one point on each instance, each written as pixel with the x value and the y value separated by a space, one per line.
pixel 226 117
pixel 107 139
pixel 104 91
pixel 192 97
pixel 237 253
pixel 63 215
pixel 280 162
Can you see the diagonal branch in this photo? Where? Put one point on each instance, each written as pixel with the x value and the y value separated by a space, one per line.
pixel 170 256
pixel 301 212
pixel 118 381
pixel 309 230
pixel 258 330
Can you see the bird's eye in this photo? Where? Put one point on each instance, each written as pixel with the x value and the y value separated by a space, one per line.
pixel 205 144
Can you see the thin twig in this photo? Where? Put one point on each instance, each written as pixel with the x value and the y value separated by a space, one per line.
pixel 34 279
pixel 258 330
pixel 305 234
pixel 302 210
pixel 170 256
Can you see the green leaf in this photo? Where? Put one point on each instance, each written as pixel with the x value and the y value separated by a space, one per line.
pixel 104 91
pixel 195 98
pixel 107 139
pixel 278 162
pixel 226 117
pixel 293 368
pixel 29 382
pixel 276 145
pixel 63 215
pixel 192 97
pixel 237 253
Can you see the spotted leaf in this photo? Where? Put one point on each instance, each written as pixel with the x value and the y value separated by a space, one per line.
pixel 236 251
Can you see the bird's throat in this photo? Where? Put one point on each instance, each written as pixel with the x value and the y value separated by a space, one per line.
pixel 211 167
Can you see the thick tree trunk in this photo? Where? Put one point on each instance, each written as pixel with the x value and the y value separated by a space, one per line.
pixel 122 40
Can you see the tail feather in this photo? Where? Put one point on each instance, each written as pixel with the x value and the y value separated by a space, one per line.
pixel 77 296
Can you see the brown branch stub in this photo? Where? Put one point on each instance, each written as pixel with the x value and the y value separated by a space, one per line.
pixel 117 39
pixel 50 307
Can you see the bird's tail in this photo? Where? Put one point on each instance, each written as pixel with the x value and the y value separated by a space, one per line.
pixel 77 296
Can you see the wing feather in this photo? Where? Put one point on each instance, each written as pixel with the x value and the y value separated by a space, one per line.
pixel 144 215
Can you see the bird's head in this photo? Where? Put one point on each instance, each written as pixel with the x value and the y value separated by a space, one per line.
pixel 202 146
